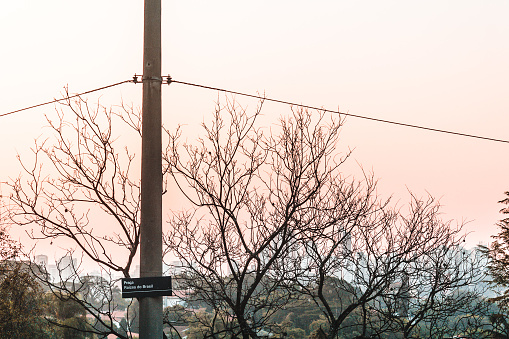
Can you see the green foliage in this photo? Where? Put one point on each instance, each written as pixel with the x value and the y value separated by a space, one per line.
pixel 200 326
pixel 318 324
pixel 318 333
pixel 177 315
pixel 67 308
pixel 295 333
pixel 289 330
pixel 74 327
pixel 68 317
pixel 123 327
pixel 498 255
pixel 306 315
pixel 21 303
pixel 134 316
pixel 117 300
pixel 298 314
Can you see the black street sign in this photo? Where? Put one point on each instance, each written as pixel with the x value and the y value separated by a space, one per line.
pixel 146 287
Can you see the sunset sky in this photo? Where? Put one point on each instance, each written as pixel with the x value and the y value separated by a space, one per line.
pixel 440 64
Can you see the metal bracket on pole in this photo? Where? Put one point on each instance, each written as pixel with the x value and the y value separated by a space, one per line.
pixel 167 79
pixel 158 79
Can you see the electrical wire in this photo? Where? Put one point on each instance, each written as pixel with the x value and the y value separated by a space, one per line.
pixel 66 98
pixel 170 80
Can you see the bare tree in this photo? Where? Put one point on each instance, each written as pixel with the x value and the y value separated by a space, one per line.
pixel 399 269
pixel 254 196
pixel 80 190
pixel 9 249
pixel 444 283
pixel 272 219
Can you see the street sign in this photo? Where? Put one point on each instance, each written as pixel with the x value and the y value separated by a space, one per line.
pixel 146 287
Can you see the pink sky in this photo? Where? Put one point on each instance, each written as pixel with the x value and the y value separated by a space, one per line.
pixel 441 64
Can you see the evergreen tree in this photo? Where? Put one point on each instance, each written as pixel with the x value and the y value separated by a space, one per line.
pixel 21 303
pixel 498 256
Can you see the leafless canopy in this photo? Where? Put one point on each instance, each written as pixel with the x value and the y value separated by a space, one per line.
pixel 258 197
pixel 272 220
pixel 82 192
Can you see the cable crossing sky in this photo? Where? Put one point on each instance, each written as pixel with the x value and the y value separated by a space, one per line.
pixel 168 80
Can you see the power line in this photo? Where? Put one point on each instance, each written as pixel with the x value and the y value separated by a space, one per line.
pixel 66 98
pixel 170 80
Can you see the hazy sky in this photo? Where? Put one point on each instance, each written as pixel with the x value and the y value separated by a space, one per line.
pixel 441 64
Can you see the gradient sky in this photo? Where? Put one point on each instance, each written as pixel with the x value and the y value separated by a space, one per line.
pixel 441 64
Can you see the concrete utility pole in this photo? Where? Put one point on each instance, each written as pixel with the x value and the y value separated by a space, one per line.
pixel 151 247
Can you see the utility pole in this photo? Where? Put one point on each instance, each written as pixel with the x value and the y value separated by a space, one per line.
pixel 151 247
